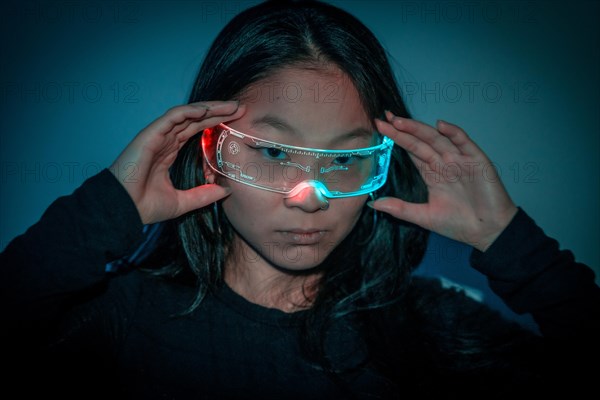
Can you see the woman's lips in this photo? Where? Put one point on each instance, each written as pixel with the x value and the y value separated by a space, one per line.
pixel 303 236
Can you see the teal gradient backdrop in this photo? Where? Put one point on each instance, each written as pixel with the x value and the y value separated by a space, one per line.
pixel 80 79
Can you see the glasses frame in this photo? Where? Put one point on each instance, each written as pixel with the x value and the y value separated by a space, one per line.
pixel 376 182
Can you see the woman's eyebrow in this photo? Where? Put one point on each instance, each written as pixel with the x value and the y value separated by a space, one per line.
pixel 284 127
pixel 274 122
pixel 358 133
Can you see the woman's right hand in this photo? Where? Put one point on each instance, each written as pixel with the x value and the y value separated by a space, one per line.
pixel 143 167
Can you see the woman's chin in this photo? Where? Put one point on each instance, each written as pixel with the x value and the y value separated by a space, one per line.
pixel 299 261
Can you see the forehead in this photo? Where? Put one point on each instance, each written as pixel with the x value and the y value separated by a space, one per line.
pixel 303 105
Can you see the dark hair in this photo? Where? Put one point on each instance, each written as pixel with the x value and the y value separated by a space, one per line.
pixel 359 275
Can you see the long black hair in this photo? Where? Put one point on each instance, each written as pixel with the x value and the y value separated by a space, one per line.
pixel 360 276
pixel 408 329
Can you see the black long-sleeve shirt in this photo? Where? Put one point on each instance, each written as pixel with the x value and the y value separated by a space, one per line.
pixel 71 328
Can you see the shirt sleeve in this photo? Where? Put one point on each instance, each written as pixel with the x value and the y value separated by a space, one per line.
pixel 531 274
pixel 65 253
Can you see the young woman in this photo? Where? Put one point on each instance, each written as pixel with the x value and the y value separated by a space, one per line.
pixel 281 236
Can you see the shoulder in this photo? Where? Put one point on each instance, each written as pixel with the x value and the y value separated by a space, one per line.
pixel 463 333
pixel 441 307
pixel 146 290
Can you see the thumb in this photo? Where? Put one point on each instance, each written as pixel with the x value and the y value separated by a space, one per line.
pixel 200 196
pixel 411 212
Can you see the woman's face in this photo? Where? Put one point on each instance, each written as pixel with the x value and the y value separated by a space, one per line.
pixel 307 108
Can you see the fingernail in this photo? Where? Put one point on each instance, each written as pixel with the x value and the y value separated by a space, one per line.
pixel 370 204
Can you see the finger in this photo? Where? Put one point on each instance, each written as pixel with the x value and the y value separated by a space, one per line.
pixel 193 127
pixel 411 212
pixel 200 196
pixel 180 114
pixel 210 121
pixel 426 133
pixel 459 137
pixel 221 107
pixel 190 127
pixel 216 109
pixel 413 145
pixel 194 111
pixel 178 136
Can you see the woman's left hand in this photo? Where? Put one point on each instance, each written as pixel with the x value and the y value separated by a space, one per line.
pixel 467 201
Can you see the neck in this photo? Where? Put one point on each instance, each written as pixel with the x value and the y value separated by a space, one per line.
pixel 255 279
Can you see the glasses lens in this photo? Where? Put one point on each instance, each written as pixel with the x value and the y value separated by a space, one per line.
pixel 278 167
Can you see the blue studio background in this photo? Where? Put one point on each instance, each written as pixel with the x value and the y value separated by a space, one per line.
pixel 80 79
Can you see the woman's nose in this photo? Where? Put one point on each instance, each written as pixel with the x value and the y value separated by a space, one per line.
pixel 307 197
